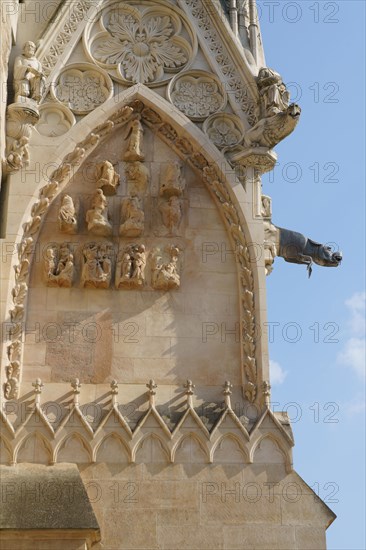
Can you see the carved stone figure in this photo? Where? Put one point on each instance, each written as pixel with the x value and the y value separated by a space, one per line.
pixel 165 275
pixel 97 216
pixel 274 94
pixel 18 156
pixel 137 175
pixel 171 213
pixel 266 209
pixel 172 182
pixel 11 386
pixel 269 131
pixel 107 178
pixel 59 266
pixel 131 264
pixel 29 79
pixel 298 249
pixel 135 135
pixel 67 216
pixel 97 268
pixel 133 216
pixel 295 248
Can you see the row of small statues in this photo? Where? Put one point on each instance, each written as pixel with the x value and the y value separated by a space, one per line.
pixel 132 214
pixel 96 272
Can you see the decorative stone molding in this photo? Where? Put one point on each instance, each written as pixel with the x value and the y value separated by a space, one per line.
pixel 242 90
pixel 26 245
pixel 141 43
pixel 215 184
pixel 75 12
pixel 197 94
pixel 261 159
pixel 82 87
pixel 51 439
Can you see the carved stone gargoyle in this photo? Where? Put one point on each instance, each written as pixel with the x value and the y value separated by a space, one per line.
pixel 295 248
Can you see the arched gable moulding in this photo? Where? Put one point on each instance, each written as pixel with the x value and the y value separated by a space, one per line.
pixel 194 150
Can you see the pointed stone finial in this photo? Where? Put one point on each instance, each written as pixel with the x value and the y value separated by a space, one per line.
pixel 114 391
pixel 151 387
pixel 266 389
pixel 38 385
pixel 76 388
pixel 227 393
pixel 189 392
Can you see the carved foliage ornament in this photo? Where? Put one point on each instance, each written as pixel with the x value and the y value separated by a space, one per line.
pixel 142 44
pixel 197 94
pixel 83 87
pixel 224 130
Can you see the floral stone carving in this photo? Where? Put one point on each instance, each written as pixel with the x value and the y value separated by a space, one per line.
pixel 131 264
pixel 97 216
pixel 97 268
pixel 166 274
pixel 224 130
pixel 197 94
pixel 142 45
pixel 59 266
pixel 83 87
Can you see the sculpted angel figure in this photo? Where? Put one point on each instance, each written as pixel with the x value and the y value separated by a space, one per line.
pixel 67 215
pixel 29 80
pixel 135 135
pixel 108 179
pixel 97 216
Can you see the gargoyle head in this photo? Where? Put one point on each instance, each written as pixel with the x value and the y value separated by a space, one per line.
pixel 294 111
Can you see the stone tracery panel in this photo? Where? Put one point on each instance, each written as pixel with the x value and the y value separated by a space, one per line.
pixel 142 42
pixel 83 87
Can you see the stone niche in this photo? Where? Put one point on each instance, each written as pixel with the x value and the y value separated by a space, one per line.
pixel 178 318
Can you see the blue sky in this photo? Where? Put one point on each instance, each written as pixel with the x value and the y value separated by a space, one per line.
pixel 318 189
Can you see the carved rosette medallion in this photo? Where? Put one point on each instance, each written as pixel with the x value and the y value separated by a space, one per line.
pixel 83 87
pixel 197 94
pixel 224 130
pixel 141 42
